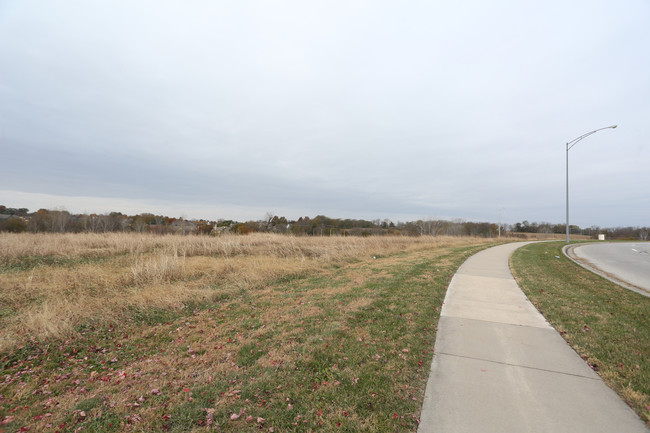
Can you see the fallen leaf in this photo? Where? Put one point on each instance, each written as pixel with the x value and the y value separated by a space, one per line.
pixel 209 418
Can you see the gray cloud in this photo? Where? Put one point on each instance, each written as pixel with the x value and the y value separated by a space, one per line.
pixel 352 109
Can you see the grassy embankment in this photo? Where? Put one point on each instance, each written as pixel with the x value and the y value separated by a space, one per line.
pixel 163 333
pixel 607 325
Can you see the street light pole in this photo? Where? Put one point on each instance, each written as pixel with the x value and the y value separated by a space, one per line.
pixel 500 221
pixel 569 145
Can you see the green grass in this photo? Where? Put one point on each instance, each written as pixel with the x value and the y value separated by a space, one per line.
pixel 607 325
pixel 344 350
pixel 30 262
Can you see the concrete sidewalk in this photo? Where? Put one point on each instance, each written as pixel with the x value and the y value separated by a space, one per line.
pixel 500 367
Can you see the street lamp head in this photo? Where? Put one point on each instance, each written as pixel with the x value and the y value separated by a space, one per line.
pixel 614 126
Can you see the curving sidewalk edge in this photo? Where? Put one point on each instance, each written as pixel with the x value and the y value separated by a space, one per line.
pixel 499 367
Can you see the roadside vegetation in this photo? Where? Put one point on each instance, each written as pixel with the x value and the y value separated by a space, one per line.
pixel 275 333
pixel 607 325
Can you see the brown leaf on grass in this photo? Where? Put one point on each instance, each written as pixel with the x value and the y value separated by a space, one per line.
pixel 209 417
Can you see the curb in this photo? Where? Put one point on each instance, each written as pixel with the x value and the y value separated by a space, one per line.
pixel 568 251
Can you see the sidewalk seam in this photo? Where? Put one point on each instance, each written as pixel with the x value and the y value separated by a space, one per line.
pixel 549 326
pixel 517 365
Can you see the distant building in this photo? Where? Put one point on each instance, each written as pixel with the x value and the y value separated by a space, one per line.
pixel 184 226
pixel 218 231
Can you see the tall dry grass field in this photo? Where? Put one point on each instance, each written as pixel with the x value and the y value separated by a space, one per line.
pixel 131 332
pixel 52 283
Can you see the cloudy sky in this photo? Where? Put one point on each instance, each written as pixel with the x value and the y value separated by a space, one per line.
pixel 360 109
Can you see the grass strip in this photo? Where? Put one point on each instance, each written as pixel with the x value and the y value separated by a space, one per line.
pixel 346 349
pixel 30 262
pixel 607 325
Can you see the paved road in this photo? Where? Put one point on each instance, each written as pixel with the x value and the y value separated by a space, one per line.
pixel 627 262
pixel 500 367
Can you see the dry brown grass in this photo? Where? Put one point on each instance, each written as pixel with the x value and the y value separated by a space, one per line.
pixel 100 277
pixel 15 247
pixel 331 343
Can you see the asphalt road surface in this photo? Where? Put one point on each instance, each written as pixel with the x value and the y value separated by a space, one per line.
pixel 625 261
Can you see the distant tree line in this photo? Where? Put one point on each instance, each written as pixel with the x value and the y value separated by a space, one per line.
pixel 61 221
pixel 631 233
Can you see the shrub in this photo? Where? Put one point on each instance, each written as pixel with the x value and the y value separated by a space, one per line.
pixel 14 225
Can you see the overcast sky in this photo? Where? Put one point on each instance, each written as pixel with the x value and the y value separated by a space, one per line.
pixel 350 109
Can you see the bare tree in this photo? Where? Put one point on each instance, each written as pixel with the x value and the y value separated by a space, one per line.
pixel 60 220
pixel 268 220
pixel 93 223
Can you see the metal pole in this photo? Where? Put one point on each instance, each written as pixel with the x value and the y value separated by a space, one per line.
pixel 567 193
pixel 573 143
pixel 500 221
